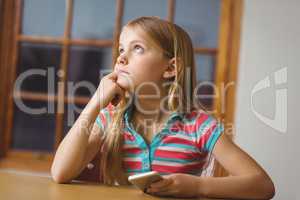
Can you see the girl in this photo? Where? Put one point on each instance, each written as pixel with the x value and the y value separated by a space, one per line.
pixel 152 79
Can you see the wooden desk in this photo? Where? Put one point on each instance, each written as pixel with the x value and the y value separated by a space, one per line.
pixel 15 186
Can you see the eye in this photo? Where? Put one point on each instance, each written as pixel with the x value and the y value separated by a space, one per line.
pixel 121 51
pixel 139 48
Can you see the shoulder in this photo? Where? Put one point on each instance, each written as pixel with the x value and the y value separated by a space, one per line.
pixel 198 118
pixel 195 121
pixel 207 127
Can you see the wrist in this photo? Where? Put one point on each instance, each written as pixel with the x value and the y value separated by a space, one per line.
pixel 97 102
pixel 92 108
pixel 201 192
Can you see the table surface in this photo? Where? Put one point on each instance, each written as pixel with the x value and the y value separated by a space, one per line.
pixel 15 185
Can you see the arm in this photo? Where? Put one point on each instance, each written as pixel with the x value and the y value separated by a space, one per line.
pixel 248 179
pixel 79 146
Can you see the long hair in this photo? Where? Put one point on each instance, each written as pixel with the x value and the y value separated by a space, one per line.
pixel 174 43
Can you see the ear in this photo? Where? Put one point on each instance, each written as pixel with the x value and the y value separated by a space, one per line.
pixel 170 71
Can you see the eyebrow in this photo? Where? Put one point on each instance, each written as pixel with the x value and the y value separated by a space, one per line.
pixel 133 41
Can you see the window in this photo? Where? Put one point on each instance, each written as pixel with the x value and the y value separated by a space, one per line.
pixel 66 44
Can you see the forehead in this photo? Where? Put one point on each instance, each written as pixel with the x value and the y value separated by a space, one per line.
pixel 129 34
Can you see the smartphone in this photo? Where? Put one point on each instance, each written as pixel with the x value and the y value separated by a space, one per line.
pixel 144 180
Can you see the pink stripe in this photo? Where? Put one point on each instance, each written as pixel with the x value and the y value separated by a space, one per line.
pixel 191 115
pixel 174 169
pixel 132 165
pixel 110 109
pixel 168 140
pixel 134 150
pixel 128 136
pixel 201 120
pixel 103 119
pixel 177 155
pixel 205 137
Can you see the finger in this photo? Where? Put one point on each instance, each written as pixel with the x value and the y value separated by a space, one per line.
pixel 169 176
pixel 163 183
pixel 113 76
pixel 120 87
pixel 168 193
pixel 160 189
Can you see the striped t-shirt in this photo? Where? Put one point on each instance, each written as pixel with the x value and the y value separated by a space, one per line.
pixel 184 145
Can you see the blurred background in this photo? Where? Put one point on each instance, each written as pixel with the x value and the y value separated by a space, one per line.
pixel 54 53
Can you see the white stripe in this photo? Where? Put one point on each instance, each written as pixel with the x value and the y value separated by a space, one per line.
pixel 181 136
pixel 130 146
pixel 176 149
pixel 205 130
pixel 134 159
pixel 175 164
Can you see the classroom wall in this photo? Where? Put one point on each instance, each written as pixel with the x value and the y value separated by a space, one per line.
pixel 270 48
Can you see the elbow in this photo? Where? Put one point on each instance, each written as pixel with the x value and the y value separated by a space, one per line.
pixel 59 176
pixel 268 188
pixel 59 179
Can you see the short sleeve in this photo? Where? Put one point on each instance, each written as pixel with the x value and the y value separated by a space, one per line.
pixel 208 132
pixel 104 117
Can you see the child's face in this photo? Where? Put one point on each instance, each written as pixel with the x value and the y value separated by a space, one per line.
pixel 142 62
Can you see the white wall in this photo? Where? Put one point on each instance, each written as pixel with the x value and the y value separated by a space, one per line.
pixel 270 41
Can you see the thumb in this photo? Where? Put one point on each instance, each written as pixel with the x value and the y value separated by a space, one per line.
pixel 113 76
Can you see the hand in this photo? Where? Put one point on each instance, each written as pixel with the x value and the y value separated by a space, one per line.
pixel 109 90
pixel 176 185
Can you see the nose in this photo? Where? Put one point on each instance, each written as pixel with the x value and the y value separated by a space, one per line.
pixel 122 60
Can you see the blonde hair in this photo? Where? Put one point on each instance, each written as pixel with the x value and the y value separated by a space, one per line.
pixel 174 43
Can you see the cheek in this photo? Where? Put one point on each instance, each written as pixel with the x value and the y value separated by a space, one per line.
pixel 125 81
pixel 147 71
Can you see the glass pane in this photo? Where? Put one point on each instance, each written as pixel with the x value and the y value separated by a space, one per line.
pixel 137 8
pixel 38 66
pixel 33 129
pixel 85 68
pixel 72 112
pixel 205 65
pixel 44 17
pixel 93 19
pixel 200 18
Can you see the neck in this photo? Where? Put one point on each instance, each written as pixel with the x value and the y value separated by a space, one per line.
pixel 151 104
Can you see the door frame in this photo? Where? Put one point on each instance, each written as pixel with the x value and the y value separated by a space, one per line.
pixel 227 68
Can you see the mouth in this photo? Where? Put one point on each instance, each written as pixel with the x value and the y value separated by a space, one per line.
pixel 122 71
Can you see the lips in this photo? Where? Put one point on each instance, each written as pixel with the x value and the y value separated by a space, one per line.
pixel 122 71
